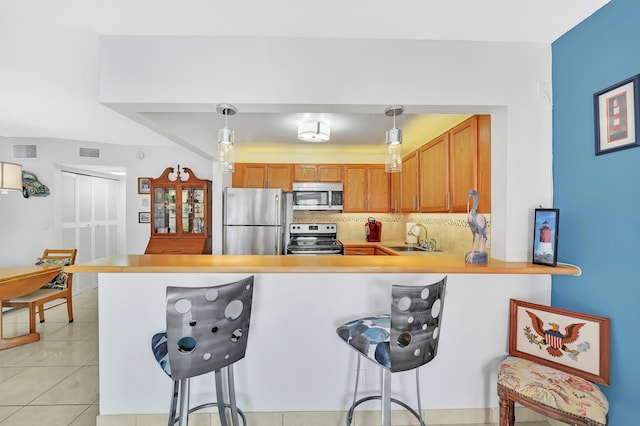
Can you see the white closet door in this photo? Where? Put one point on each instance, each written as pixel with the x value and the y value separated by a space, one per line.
pixel 90 220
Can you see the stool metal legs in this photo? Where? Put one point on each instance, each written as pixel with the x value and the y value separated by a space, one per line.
pixel 184 402
pixel 385 398
pixel 232 395
pixel 182 386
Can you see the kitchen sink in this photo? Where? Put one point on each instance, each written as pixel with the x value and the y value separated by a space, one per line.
pixel 411 248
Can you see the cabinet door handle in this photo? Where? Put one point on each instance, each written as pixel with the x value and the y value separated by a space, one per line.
pixel 448 200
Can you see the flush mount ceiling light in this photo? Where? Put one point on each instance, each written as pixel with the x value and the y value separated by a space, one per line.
pixel 313 131
pixel 10 177
pixel 393 153
pixel 226 151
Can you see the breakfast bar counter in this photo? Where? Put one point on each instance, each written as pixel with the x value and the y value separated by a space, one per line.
pixel 295 362
pixel 313 264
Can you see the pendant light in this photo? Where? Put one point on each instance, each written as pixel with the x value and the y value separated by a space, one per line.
pixel 226 149
pixel 393 153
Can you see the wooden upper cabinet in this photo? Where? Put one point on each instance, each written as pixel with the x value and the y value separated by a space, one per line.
pixel 305 173
pixel 454 163
pixel 259 175
pixel 409 201
pixel 330 172
pixel 395 189
pixel 366 188
pixel 355 187
pixel 317 173
pixel 484 163
pixel 463 163
pixel 378 189
pixel 435 178
pixel 255 176
pixel 434 175
pixel 280 176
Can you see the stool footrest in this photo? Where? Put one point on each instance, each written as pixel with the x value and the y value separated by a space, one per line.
pixel 215 404
pixel 404 405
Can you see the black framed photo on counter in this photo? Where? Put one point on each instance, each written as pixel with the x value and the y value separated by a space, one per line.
pixel 545 236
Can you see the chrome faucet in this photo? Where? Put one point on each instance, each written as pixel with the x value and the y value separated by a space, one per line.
pixel 422 242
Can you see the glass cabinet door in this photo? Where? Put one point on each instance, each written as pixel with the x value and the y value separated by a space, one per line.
pixel 164 211
pixel 193 210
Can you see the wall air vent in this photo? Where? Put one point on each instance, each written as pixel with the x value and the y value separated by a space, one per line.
pixel 89 152
pixel 25 151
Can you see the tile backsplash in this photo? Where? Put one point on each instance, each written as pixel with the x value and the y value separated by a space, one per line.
pixel 450 230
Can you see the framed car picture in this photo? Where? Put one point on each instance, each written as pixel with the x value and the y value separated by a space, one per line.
pixel 545 236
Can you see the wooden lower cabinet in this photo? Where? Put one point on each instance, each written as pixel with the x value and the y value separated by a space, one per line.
pixel 364 250
pixel 379 252
pixel 359 251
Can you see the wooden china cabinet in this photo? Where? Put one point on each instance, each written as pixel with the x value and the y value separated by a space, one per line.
pixel 180 213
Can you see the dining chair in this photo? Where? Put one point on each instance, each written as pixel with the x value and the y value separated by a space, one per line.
pixel 60 288
pixel 555 355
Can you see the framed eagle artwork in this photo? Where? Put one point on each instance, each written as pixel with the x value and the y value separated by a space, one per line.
pixel 569 341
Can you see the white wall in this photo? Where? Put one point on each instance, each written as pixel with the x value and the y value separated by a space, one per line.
pixel 28 226
pixel 260 74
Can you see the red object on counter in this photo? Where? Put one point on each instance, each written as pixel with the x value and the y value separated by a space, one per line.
pixel 373 230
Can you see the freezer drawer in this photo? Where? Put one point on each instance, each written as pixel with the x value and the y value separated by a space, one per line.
pixel 252 240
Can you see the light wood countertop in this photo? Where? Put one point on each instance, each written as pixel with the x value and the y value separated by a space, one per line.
pixel 310 264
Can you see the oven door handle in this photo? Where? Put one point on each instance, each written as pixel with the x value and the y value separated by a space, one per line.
pixel 337 251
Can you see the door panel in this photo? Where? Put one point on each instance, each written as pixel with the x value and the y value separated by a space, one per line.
pixel 90 220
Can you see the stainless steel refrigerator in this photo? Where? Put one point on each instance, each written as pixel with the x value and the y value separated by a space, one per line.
pixel 255 221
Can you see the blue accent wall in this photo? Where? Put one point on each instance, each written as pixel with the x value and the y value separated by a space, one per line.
pixel 599 196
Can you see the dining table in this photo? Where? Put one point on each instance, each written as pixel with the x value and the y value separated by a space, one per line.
pixel 18 281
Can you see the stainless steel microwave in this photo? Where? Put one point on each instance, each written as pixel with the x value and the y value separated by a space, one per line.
pixel 317 196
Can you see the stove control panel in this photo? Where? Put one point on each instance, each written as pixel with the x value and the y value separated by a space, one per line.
pixel 313 228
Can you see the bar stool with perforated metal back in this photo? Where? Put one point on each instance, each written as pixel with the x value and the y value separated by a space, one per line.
pixel 404 340
pixel 207 330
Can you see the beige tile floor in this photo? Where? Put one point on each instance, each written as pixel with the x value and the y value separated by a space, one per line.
pixel 55 381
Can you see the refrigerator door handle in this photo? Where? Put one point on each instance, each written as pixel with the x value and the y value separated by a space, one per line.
pixel 277 229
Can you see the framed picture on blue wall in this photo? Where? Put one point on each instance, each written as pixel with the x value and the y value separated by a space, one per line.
pixel 545 236
pixel 617 116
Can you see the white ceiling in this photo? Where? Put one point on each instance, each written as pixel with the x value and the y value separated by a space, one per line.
pixel 49 53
